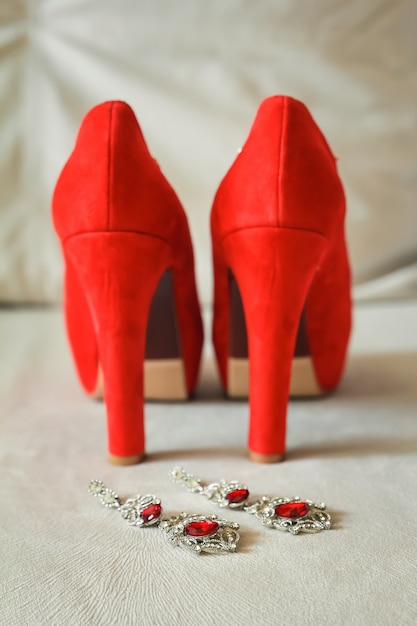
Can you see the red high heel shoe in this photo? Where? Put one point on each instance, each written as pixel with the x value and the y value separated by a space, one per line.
pixel 130 292
pixel 279 249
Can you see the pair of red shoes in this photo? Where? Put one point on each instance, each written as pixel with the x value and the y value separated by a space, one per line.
pixel 279 252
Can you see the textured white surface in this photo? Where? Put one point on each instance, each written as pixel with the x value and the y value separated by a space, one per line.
pixel 195 73
pixel 67 560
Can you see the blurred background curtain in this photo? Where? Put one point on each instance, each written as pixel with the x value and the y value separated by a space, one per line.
pixel 195 72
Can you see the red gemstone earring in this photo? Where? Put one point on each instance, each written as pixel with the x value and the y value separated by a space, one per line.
pixel 198 533
pixel 291 514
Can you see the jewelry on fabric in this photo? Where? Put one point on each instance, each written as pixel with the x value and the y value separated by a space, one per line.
pixel 202 533
pixel 138 511
pixel 290 514
pixel 197 533
pixel 225 494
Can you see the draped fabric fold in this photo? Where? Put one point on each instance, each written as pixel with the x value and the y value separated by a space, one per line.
pixel 195 73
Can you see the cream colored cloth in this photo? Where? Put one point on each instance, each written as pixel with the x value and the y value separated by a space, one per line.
pixel 195 73
pixel 67 560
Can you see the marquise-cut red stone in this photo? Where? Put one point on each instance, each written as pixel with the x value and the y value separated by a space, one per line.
pixel 151 513
pixel 202 528
pixel 237 496
pixel 292 509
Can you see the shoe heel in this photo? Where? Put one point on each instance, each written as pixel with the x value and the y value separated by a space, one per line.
pixel 274 269
pixel 119 273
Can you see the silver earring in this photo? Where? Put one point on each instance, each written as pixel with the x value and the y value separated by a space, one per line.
pixel 291 514
pixel 197 533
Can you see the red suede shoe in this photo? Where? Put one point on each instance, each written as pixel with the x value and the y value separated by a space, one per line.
pixel 130 292
pixel 279 250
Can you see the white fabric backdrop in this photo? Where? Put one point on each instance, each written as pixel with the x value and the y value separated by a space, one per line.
pixel 195 73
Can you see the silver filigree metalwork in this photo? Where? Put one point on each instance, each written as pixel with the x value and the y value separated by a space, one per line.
pixel 197 533
pixel 138 511
pixel 290 514
pixel 108 497
pixel 221 492
pixel 314 520
pixel 224 538
pixel 142 510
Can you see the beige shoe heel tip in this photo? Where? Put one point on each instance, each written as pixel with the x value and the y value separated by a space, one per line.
pixel 126 460
pixel 265 458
